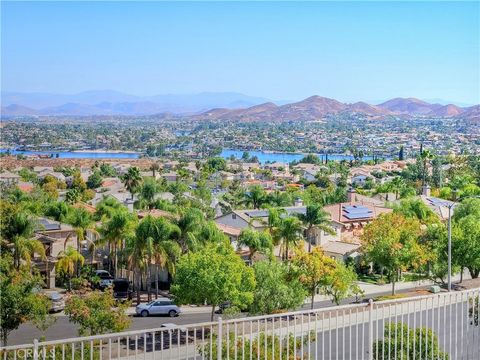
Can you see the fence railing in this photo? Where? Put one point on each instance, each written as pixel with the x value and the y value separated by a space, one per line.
pixel 441 326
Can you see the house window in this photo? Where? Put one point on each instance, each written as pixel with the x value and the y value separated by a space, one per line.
pixel 234 216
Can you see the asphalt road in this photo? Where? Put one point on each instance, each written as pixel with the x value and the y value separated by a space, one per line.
pixel 460 338
pixel 63 329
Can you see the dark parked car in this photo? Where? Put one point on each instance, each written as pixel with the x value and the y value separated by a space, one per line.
pixel 122 289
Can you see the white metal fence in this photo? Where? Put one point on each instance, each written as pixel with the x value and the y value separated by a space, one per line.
pixel 375 330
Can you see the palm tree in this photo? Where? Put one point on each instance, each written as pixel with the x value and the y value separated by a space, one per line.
pixel 132 179
pixel 82 222
pixel 107 207
pixel 21 229
pixel 190 223
pixel 273 222
pixel 135 252
pixel 315 217
pixel 397 184
pixel 290 231
pixel 426 157
pixel 148 191
pixel 158 236
pixel 154 167
pixel 67 260
pixel 114 231
pixel 255 196
pixel 255 241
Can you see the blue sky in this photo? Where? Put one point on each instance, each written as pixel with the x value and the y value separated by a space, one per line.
pixel 280 50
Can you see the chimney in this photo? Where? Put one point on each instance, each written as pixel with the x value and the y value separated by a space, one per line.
pixel 298 202
pixel 426 190
pixel 351 195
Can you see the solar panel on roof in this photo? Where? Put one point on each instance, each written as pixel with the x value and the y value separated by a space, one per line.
pixel 357 216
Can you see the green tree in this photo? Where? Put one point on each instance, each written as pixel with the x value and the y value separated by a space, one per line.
pixel 255 196
pixel 313 270
pixel 466 244
pixel 410 347
pixel 67 260
pixel 315 218
pixel 426 156
pixel 256 241
pixel 416 209
pixel 132 179
pixel 290 232
pixel 95 180
pixel 97 313
pixel 391 242
pixel 147 192
pixel 214 274
pixel 18 302
pixel 114 232
pixel 341 283
pixel 276 289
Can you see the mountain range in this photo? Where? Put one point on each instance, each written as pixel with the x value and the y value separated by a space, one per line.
pixel 219 106
pixel 316 107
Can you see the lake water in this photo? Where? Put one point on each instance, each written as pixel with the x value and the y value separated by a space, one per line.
pixel 264 157
pixel 77 155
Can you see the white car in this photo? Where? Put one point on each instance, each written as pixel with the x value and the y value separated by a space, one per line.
pixel 160 306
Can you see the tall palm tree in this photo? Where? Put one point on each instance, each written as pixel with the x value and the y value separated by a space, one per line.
pixel 426 157
pixel 315 217
pixel 158 236
pixel 67 259
pixel 132 179
pixel 290 231
pixel 154 167
pixel 190 223
pixel 397 184
pixel 107 207
pixel 273 222
pixel 82 222
pixel 136 256
pixel 114 231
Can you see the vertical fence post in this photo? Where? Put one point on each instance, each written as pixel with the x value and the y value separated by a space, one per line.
pixel 219 339
pixel 370 329
pixel 35 349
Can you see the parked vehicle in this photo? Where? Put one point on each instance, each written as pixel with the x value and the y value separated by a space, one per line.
pixel 106 279
pixel 160 306
pixel 57 301
pixel 122 289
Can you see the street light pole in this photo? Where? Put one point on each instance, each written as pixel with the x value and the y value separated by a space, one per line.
pixel 450 247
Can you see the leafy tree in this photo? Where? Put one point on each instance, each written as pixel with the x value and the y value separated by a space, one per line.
pixel 107 170
pixel 470 206
pixel 256 241
pixel 276 289
pixel 416 209
pixel 132 179
pixel 466 244
pixel 95 180
pixel 78 183
pixel 310 159
pixel 391 242
pixel 409 348
pixel 107 207
pixel 58 210
pixel 97 313
pixel 147 193
pixel 214 274
pixel 73 196
pixel 315 218
pixel 216 164
pixel 341 283
pixel 313 269
pixel 67 260
pixel 18 302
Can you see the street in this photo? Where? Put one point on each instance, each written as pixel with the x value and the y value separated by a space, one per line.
pixel 63 329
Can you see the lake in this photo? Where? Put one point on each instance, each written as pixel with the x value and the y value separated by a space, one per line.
pixel 78 154
pixel 264 157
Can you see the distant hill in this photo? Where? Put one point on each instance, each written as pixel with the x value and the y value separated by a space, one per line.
pixel 227 106
pixel 108 102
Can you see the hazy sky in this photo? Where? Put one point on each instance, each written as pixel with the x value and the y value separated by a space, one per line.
pixel 280 50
